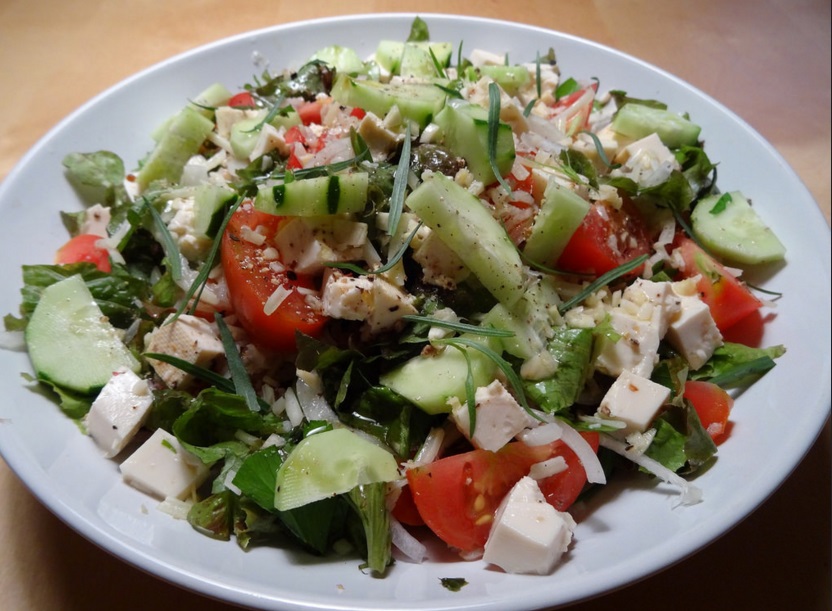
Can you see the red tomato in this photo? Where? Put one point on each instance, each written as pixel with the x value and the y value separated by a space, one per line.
pixel 310 112
pixel 607 237
pixel 729 299
pixel 561 489
pixel 713 406
pixel 251 282
pixel 405 510
pixel 84 248
pixel 458 495
pixel 243 99
pixel 358 113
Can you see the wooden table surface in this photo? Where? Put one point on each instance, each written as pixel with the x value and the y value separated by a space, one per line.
pixel 766 60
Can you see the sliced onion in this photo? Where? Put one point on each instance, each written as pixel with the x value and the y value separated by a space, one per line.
pixel 585 453
pixel 314 406
pixel 542 435
pixel 690 493
pixel 406 543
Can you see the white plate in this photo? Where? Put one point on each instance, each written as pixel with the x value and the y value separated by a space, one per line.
pixel 628 533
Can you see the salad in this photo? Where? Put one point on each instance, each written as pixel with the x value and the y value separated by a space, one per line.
pixel 361 302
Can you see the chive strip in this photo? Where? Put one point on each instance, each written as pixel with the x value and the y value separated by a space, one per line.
pixel 687 228
pixel 757 366
pixel 202 277
pixel 762 290
pixel 201 373
pixel 168 243
pixel 449 90
pixel 599 148
pixel 493 125
pixel 470 392
pixel 273 112
pixel 460 327
pixel 239 375
pixel 602 281
pixel 528 109
pixel 440 71
pixel 399 184
pixel 546 269
pixel 397 256
pixel 504 365
pixel 537 76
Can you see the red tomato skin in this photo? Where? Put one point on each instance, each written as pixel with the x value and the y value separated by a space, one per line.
pixel 251 282
pixel 713 406
pixel 729 299
pixel 562 489
pixel 405 510
pixel 458 495
pixel 590 248
pixel 83 248
pixel 241 100
pixel 310 112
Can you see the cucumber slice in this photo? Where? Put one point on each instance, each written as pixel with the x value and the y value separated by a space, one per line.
pixel 466 226
pixel 464 128
pixel 343 59
pixel 510 78
pixel 319 196
pixel 639 121
pixel 389 53
pixel 71 343
pixel 211 202
pixel 561 212
pixel 181 141
pixel 244 136
pixel 447 372
pixel 730 228
pixel 416 62
pixel 329 463
pixel 213 96
pixel 416 101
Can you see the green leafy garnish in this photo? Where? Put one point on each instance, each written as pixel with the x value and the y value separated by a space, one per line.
pixel 721 204
pixel 454 584
pixel 239 375
pixel 418 31
pixel 602 281
pixel 391 263
pixel 168 243
pixel 459 327
pixel 399 184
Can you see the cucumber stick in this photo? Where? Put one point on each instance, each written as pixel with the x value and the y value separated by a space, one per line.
pixel 329 463
pixel 464 129
pixel 181 141
pixel 399 57
pixel 466 226
pixel 322 195
pixel 71 343
pixel 639 121
pixel 211 202
pixel 730 228
pixel 561 212
pixel 416 101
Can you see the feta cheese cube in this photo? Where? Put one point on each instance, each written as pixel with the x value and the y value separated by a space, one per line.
pixel 528 534
pixel 440 265
pixel 654 302
pixel 694 333
pixel 189 338
pixel 96 220
pixel 380 140
pixel 372 299
pixel 635 350
pixel 647 161
pixel 390 304
pixel 118 411
pixel 499 417
pixel 163 468
pixel 634 400
pixel 181 212
pixel 306 244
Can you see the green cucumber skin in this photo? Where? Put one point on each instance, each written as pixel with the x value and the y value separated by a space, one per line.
pixel 561 213
pixel 181 141
pixel 638 121
pixel 389 53
pixel 464 128
pixel 737 234
pixel 319 196
pixel 211 203
pixel 71 344
pixel 430 381
pixel 510 78
pixel 464 224
pixel 419 102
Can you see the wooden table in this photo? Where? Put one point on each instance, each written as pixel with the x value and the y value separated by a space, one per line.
pixel 766 60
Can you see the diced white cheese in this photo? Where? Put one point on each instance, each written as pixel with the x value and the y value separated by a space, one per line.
pixel 647 161
pixel 187 337
pixel 481 57
pixel 96 220
pixel 163 468
pixel 270 139
pixel 654 302
pixel 440 265
pixel 380 140
pixel 118 411
pixel 635 350
pixel 499 417
pixel 694 333
pixel 372 299
pixel 528 534
pixel 635 400
pixel 306 244
pixel 182 214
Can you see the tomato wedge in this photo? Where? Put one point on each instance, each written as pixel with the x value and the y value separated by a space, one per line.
pixel 713 406
pixel 241 100
pixel 251 280
pixel 729 299
pixel 84 248
pixel 607 237
pixel 458 495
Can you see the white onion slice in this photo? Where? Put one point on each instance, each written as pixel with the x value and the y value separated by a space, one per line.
pixel 585 453
pixel 690 493
pixel 542 435
pixel 406 543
